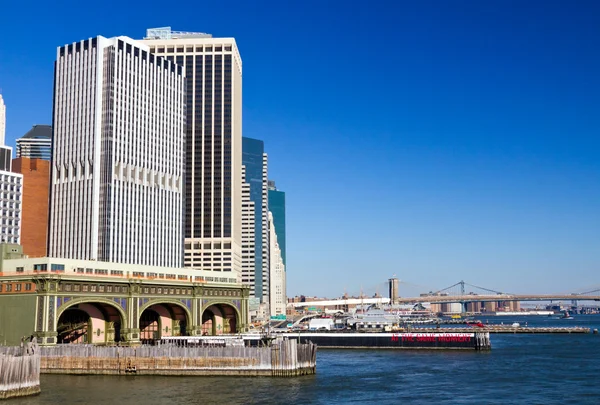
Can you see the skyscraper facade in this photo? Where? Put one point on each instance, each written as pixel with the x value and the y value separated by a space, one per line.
pixel 277 207
pixel 2 120
pixel 36 143
pixel 255 160
pixel 117 157
pixel 11 189
pixel 248 242
pixel 213 177
pixel 34 213
pixel 278 298
pixel 5 151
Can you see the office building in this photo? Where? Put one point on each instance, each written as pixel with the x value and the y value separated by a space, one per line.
pixel 34 215
pixel 254 159
pixel 277 207
pixel 36 143
pixel 5 151
pixel 278 298
pixel 248 242
pixel 11 189
pixel 2 120
pixel 11 193
pixel 117 154
pixel 213 177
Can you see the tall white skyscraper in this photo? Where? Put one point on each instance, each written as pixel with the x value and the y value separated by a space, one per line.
pixel 118 149
pixel 248 240
pixel 2 120
pixel 213 177
pixel 11 189
pixel 278 298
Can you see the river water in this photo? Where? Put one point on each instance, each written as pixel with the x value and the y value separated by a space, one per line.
pixel 520 369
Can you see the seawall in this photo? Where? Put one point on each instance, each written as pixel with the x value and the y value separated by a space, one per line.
pixel 286 359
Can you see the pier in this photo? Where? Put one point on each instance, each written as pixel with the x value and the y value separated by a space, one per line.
pixel 19 373
pixel 284 358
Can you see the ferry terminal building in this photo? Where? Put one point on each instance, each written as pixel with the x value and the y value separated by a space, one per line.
pixel 85 301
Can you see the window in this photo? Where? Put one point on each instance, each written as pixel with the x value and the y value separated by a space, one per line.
pixel 20 269
pixel 28 287
pixel 57 267
pixel 40 267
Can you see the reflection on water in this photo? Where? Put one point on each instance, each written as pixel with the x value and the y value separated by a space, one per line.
pixel 532 369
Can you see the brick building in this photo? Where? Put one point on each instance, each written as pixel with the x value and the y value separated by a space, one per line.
pixel 34 218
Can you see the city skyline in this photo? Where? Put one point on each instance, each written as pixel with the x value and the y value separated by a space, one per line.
pixel 468 153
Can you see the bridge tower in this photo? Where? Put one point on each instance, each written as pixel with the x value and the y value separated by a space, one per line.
pixel 393 289
pixel 462 293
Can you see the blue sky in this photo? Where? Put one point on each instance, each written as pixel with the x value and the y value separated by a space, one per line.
pixel 432 140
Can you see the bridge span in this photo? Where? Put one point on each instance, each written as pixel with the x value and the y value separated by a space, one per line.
pixel 447 299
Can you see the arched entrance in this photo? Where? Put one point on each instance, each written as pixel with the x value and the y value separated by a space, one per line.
pixel 162 320
pixel 73 327
pixel 219 319
pixel 149 326
pixel 89 322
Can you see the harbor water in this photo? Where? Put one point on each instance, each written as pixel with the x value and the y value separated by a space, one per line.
pixel 520 368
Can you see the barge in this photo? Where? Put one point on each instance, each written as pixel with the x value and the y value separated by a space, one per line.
pixel 390 340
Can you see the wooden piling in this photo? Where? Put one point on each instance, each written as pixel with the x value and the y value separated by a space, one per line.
pixel 19 373
pixel 284 358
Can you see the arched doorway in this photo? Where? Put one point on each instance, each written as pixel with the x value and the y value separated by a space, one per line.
pixel 162 320
pixel 149 326
pixel 89 322
pixel 73 327
pixel 219 319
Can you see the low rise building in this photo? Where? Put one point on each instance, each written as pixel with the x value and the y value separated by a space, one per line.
pixel 85 301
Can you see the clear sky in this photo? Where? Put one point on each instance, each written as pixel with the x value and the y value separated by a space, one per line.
pixel 433 140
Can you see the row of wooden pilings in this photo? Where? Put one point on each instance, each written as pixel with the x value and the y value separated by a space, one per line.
pixel 283 358
pixel 19 373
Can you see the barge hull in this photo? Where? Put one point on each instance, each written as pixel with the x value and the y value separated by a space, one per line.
pixel 436 341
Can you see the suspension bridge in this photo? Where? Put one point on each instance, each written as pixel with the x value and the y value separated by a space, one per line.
pixel 463 293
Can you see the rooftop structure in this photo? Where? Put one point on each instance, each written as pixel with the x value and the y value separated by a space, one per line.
pixel 36 143
pixel 167 33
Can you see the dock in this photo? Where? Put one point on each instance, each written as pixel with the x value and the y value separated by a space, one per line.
pixel 285 358
pixel 19 373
